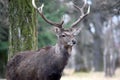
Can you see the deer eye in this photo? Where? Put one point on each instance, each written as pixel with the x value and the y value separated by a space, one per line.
pixel 63 35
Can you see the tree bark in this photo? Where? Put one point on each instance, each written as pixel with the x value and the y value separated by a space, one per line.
pixel 22 32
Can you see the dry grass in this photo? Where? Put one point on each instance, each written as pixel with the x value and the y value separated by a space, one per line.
pixel 90 76
pixel 69 75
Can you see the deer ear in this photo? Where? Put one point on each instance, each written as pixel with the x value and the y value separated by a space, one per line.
pixel 57 30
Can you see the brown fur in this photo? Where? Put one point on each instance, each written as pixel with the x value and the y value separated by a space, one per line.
pixel 43 64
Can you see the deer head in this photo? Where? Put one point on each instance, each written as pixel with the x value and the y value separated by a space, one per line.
pixel 65 36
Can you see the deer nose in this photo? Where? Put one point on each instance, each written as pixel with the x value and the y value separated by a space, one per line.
pixel 73 41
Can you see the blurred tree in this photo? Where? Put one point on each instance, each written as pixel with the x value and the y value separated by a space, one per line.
pixel 4 24
pixel 22 32
pixel 101 10
pixel 93 27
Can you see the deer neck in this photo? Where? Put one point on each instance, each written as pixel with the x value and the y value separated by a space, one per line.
pixel 62 54
pixel 62 49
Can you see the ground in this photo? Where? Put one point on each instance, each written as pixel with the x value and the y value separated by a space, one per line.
pixel 90 76
pixel 70 75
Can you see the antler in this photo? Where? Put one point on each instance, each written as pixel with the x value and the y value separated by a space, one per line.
pixel 40 10
pixel 82 13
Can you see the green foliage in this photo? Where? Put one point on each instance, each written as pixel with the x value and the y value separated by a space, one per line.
pixel 3 36
pixel 3 60
pixel 3 45
pixel 3 50
pixel 54 13
pixel 3 54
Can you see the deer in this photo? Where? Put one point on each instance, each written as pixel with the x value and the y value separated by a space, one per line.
pixel 49 62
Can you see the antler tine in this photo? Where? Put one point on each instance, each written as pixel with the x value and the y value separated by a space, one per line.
pixel 85 2
pixel 82 13
pixel 40 10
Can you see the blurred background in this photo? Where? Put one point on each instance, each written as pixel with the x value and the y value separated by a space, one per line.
pixel 98 48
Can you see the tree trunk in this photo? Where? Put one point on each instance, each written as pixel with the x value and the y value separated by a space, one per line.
pixel 22 32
